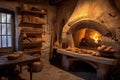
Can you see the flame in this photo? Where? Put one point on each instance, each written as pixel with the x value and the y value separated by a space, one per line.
pixel 96 38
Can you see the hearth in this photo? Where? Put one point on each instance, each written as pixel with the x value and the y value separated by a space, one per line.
pixel 92 25
pixel 90 34
pixel 87 42
pixel 91 42
pixel 87 35
pixel 88 38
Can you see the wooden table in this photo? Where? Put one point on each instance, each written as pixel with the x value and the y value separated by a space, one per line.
pixel 23 60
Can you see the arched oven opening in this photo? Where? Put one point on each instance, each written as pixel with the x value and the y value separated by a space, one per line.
pixel 87 38
pixel 91 35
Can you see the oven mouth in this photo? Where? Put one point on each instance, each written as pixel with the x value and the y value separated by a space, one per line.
pixel 87 38
pixel 88 33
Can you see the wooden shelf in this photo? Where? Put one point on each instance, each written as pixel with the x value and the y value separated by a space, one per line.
pixel 32 13
pixel 32 23
pixel 32 51
pixel 34 34
pixel 32 43
pixel 26 24
pixel 32 30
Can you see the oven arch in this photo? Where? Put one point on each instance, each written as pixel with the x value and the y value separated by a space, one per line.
pixel 90 24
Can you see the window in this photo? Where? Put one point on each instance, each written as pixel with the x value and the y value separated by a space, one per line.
pixel 5 30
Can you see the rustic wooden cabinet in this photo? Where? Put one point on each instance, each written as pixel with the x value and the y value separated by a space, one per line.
pixel 30 38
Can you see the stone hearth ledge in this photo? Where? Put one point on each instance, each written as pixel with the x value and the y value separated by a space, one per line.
pixel 88 57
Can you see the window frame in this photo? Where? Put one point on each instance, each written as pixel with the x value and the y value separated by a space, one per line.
pixel 5 9
pixel 6 26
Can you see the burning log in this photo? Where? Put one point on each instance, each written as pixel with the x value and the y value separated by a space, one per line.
pixel 87 42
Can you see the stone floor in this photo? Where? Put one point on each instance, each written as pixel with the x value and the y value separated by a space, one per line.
pixel 51 72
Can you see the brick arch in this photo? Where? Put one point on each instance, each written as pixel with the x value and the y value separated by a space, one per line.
pixel 90 24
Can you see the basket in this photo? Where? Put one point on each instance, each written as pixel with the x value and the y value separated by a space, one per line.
pixel 13 56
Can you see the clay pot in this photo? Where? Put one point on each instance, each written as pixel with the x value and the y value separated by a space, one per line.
pixel 37 66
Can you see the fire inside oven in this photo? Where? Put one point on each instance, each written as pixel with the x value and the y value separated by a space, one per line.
pixel 87 38
pixel 91 39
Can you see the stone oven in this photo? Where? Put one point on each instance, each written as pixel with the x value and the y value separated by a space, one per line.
pixel 92 26
pixel 88 34
pixel 90 23
pixel 87 37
